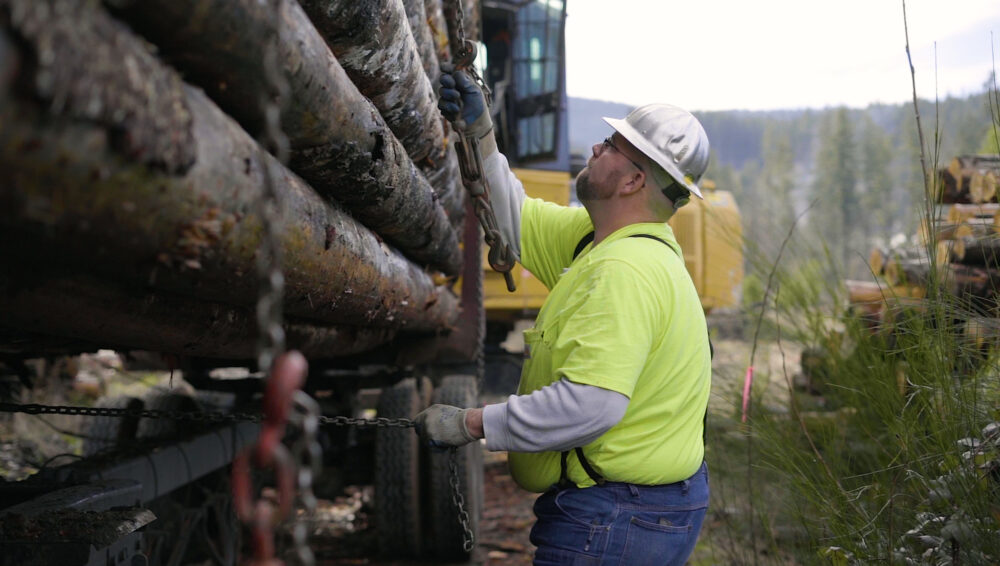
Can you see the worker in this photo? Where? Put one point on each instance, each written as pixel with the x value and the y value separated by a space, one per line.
pixel 608 419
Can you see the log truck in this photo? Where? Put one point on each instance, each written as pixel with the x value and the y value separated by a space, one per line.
pixel 219 181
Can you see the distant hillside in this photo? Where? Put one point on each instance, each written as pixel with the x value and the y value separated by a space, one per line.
pixel 735 135
pixel 585 125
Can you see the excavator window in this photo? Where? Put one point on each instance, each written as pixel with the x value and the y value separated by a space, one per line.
pixel 525 69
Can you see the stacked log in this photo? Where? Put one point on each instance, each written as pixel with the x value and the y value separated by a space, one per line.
pixel 969 179
pixel 875 302
pixel 137 197
pixel 964 235
pixel 981 211
pixel 375 43
pixel 340 142
pixel 439 30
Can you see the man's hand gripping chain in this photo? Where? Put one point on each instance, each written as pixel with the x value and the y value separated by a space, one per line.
pixel 461 98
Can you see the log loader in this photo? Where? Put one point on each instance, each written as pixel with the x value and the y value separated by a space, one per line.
pixel 219 181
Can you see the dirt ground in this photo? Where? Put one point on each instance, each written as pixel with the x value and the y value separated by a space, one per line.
pixel 503 531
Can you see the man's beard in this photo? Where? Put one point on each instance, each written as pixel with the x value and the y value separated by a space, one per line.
pixel 587 191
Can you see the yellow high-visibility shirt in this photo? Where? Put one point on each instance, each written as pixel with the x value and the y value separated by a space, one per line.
pixel 624 316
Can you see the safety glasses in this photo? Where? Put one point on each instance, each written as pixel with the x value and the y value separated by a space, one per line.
pixel 609 142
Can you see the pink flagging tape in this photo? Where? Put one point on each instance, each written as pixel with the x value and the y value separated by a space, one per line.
pixel 747 382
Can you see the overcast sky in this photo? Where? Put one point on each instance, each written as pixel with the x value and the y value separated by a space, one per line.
pixel 771 54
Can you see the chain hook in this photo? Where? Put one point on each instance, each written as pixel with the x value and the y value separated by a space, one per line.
pixel 470 160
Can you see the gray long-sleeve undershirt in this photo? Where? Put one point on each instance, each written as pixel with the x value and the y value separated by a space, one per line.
pixel 506 192
pixel 557 417
pixel 560 416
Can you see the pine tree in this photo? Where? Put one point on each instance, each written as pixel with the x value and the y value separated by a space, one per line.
pixel 877 204
pixel 837 216
pixel 776 179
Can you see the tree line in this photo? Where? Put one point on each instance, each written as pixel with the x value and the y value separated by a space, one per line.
pixel 850 178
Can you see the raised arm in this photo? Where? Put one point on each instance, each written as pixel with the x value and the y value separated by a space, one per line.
pixel 461 98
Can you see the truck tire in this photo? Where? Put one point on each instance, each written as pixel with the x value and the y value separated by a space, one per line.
pixel 104 433
pixel 397 473
pixel 447 534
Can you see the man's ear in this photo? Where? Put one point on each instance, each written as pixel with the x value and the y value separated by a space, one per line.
pixel 633 183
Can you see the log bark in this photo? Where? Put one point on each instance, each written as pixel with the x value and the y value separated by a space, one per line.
pixel 949 251
pixel 420 27
pixel 899 271
pixel 979 227
pixel 962 212
pixel 867 300
pixel 969 179
pixel 439 30
pixel 978 251
pixel 983 332
pixel 340 143
pixel 877 260
pixel 974 287
pixel 82 311
pixel 178 216
pixel 950 187
pixel 864 291
pixel 880 259
pixel 983 186
pixel 373 42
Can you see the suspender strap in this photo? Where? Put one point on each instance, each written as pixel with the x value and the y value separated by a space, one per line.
pixel 652 237
pixel 589 237
pixel 586 239
pixel 564 480
pixel 563 477
pixel 591 472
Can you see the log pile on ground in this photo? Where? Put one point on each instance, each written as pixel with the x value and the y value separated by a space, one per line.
pixel 133 174
pixel 969 179
pixel 958 252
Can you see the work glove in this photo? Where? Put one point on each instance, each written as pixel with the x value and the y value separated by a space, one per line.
pixel 460 97
pixel 443 426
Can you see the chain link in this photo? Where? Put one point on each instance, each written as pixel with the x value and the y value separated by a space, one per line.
pixel 501 255
pixel 308 456
pixel 376 422
pixel 269 207
pixel 281 386
pixel 196 416
pixel 468 537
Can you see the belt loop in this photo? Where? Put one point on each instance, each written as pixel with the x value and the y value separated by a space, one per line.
pixel 685 486
pixel 635 490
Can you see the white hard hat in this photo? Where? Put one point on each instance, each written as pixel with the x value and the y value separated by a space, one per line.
pixel 670 136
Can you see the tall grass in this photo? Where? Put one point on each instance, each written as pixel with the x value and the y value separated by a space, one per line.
pixel 891 455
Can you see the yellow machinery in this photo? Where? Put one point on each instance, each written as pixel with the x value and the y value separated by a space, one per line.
pixel 501 305
pixel 709 232
pixel 711 236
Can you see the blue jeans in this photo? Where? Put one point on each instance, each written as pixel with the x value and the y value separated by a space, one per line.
pixel 620 523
